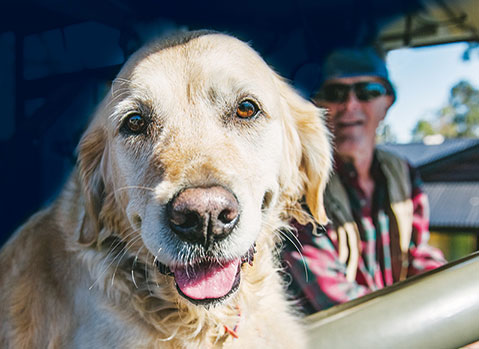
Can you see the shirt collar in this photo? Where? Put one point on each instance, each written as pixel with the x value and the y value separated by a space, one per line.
pixel 347 172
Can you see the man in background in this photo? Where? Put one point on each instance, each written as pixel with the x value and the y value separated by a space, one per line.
pixel 379 228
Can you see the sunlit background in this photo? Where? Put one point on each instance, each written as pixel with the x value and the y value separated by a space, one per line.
pixel 424 120
pixel 423 78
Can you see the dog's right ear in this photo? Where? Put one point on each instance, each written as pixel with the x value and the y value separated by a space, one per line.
pixel 307 156
pixel 91 152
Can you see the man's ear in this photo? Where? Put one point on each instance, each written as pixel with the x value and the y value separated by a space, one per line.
pixel 307 161
pixel 90 156
pixel 389 102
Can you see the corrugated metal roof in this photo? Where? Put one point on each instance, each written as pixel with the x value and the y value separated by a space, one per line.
pixel 454 205
pixel 419 154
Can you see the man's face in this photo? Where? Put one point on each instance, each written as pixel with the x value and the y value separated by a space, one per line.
pixel 354 121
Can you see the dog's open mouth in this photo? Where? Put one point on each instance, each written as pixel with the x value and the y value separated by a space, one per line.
pixel 208 281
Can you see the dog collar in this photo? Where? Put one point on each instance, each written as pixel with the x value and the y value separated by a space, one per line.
pixel 234 332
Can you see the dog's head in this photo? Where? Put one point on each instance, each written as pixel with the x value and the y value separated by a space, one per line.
pixel 199 149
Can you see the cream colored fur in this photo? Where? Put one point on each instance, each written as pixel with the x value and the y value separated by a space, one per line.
pixel 81 273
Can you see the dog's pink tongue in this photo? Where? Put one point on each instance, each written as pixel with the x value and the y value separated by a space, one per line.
pixel 206 280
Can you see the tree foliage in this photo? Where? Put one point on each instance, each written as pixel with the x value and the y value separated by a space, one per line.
pixel 459 118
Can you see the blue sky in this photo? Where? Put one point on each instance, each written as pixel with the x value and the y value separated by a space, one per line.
pixel 423 78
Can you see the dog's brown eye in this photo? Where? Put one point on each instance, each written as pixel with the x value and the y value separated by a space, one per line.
pixel 135 123
pixel 247 109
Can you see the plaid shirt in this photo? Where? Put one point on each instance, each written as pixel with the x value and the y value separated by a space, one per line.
pixel 319 278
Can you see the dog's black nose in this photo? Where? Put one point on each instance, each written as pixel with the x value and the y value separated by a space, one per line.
pixel 202 215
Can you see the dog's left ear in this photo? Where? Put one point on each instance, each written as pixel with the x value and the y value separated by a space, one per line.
pixel 90 155
pixel 307 158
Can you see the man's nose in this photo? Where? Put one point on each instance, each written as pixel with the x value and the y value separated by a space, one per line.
pixel 352 103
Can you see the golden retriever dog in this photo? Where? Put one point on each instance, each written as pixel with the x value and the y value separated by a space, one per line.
pixel 166 234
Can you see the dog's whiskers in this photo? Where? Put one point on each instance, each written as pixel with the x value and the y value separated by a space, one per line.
pixel 124 252
pixel 121 92
pixel 285 231
pixel 293 241
pixel 119 80
pixel 133 272
pixel 134 187
pixel 118 242
pixel 133 266
pixel 288 234
pixel 124 86
pixel 107 257
pixel 147 274
pixel 119 84
pixel 156 256
pixel 154 264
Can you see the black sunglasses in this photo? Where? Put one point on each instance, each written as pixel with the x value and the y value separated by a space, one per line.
pixel 364 91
